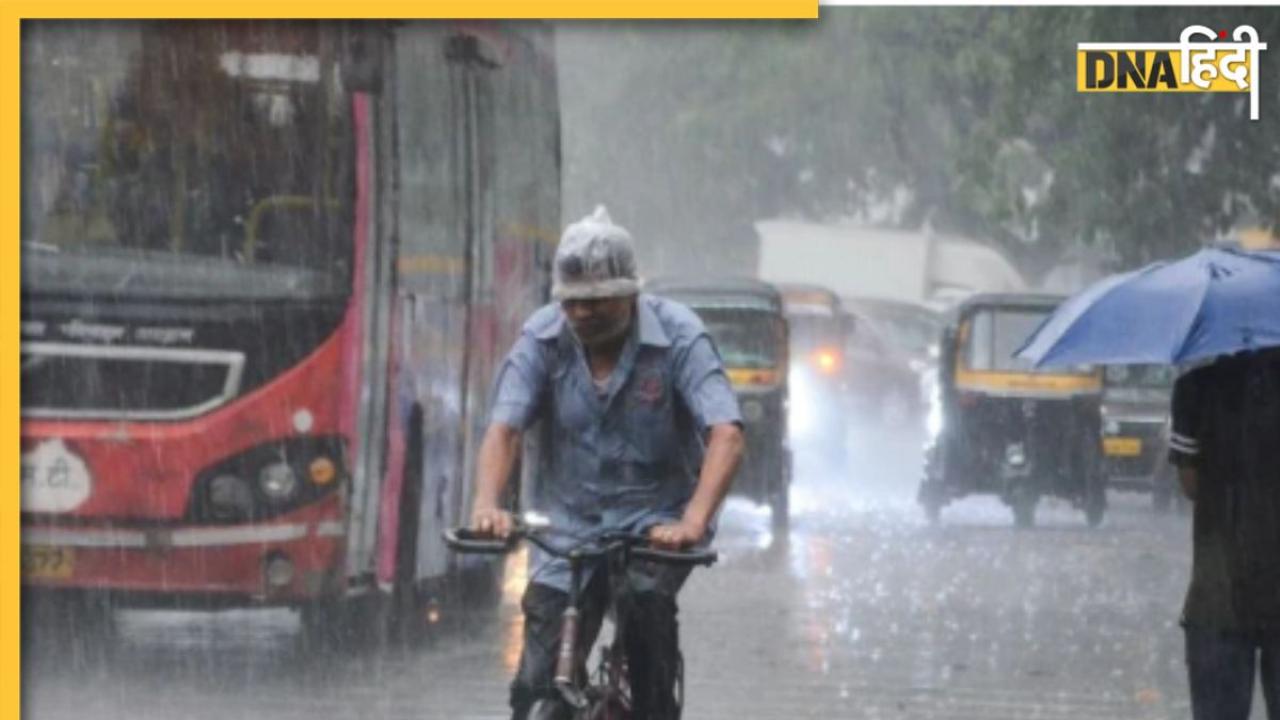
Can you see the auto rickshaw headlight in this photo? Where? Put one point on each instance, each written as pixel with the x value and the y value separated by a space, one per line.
pixel 752 411
pixel 1015 454
pixel 828 361
pixel 1111 427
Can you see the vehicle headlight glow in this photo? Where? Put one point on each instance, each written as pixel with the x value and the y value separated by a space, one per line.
pixel 801 417
pixel 278 481
pixel 1111 427
pixel 1015 454
pixel 827 360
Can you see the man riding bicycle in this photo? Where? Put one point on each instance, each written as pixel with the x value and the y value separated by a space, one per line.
pixel 643 435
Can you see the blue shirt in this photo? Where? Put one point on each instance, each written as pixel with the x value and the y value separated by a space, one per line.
pixel 624 456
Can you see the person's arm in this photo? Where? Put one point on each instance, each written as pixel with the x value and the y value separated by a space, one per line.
pixel 701 381
pixel 1187 479
pixel 724 451
pixel 516 393
pixel 499 451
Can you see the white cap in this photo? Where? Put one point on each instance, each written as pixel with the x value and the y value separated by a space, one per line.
pixel 595 259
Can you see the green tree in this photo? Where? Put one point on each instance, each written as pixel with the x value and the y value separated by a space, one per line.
pixel 966 118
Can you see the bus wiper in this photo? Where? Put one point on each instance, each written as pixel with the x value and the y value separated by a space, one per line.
pixel 41 246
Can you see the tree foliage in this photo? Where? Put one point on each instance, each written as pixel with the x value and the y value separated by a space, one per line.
pixel 966 118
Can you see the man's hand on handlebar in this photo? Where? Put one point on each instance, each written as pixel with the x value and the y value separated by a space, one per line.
pixel 677 535
pixel 492 521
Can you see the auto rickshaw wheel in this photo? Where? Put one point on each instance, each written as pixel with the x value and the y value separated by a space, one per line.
pixel 1096 505
pixel 1093 514
pixel 780 511
pixel 1024 509
pixel 1161 499
pixel 779 498
pixel 933 511
pixel 932 500
pixel 1095 481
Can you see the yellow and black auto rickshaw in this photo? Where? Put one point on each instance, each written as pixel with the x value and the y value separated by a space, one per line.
pixel 1135 417
pixel 744 318
pixel 822 396
pixel 1006 429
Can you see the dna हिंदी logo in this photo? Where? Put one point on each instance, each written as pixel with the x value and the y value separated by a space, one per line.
pixel 1201 61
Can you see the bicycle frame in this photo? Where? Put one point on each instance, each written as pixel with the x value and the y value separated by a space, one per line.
pixel 609 685
pixel 587 699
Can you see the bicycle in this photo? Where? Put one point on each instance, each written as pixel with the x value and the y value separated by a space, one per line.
pixel 604 694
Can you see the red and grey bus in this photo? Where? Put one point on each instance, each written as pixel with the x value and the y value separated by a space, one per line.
pixel 266 270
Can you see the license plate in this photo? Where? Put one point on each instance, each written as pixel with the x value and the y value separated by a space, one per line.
pixel 42 562
pixel 1122 446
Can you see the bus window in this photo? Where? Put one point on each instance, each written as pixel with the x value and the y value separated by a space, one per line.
pixel 220 151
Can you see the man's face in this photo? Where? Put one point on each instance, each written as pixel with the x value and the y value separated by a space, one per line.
pixel 599 321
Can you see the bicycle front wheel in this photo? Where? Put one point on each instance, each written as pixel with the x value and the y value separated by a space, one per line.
pixel 550 710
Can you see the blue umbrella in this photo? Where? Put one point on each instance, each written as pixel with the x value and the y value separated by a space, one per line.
pixel 1215 302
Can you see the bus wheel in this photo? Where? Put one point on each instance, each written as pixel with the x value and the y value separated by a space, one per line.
pixel 78 625
pixel 345 623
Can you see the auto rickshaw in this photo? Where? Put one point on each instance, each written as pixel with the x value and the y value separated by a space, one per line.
pixel 822 397
pixel 745 319
pixel 1007 429
pixel 1135 412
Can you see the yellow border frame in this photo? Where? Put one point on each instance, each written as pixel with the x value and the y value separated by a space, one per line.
pixel 11 16
pixel 10 199
pixel 440 9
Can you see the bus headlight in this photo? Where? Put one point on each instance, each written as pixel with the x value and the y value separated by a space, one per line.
pixel 278 481
pixel 230 498
pixel 268 480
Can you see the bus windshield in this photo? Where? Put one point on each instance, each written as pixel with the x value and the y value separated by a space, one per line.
pixel 163 150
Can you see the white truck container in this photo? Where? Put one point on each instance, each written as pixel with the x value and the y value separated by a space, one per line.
pixel 854 260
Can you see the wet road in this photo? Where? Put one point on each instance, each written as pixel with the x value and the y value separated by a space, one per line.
pixel 866 612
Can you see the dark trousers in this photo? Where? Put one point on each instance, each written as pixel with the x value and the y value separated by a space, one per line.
pixel 650 638
pixel 1221 667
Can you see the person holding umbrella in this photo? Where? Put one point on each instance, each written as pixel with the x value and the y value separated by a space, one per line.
pixel 1225 442
pixel 1219 312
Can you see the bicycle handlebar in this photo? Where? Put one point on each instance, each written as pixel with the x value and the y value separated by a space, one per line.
pixel 469 541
